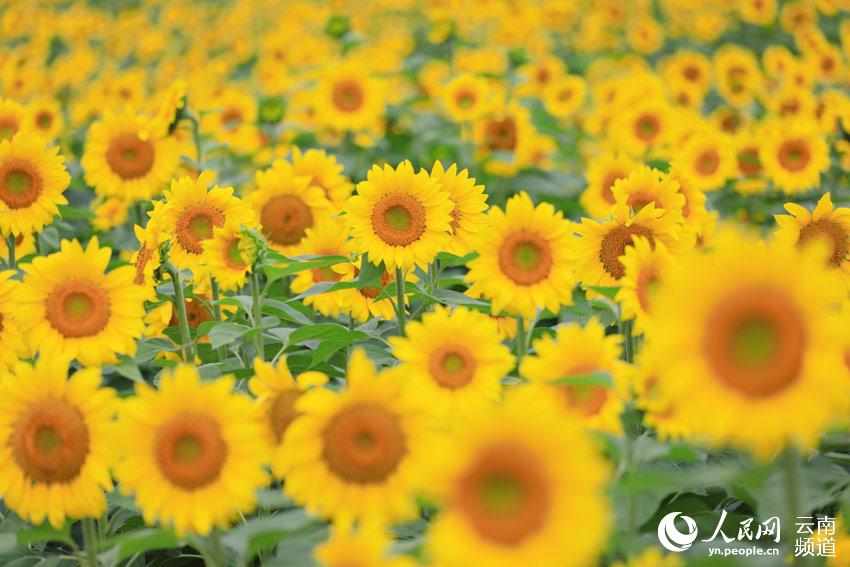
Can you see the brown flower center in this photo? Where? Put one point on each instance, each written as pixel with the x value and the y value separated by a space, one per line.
pixel 794 155
pixel 282 412
pixel 195 224
pixel 501 134
pixel 364 443
pixel 20 183
pixel 285 219
pixel 525 258
pixel 452 366
pixel 707 162
pixel 50 441
pixel 8 127
pixel 130 157
pixel 832 233
pixel 196 313
pixel 749 162
pixel 755 341
pixel 78 308
pixel 44 119
pixel 647 127
pixel 398 219
pixel 348 96
pixel 190 450
pixel 613 246
pixel 608 183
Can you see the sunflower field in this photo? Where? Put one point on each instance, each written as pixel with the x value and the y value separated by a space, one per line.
pixel 448 283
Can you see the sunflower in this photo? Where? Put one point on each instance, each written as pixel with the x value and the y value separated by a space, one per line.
pixel 44 116
pixel 233 119
pixel 470 203
pixel 454 358
pixel 688 66
pixel 827 226
pixel 188 453
pixel 523 259
pixel 399 217
pixel 737 72
pixel 644 127
pixel 287 205
pixel 601 244
pixel 565 96
pixel 520 484
pixel 576 351
pixel 658 412
pixel 12 341
pixel 794 155
pixel 147 259
pixel 328 238
pixel 762 345
pixel 466 97
pixel 55 456
pixel 367 546
pixel 32 180
pixel 694 209
pixel 646 185
pixel 12 118
pixel 277 391
pixel 602 172
pixel 362 303
pixel 70 306
pixel 325 173
pixel 708 158
pixel 644 266
pixel 357 453
pixel 191 211
pixel 747 144
pixel 165 114
pixel 118 162
pixel 349 97
pixel 228 256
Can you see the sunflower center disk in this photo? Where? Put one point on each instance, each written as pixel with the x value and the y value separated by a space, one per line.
pixel 78 309
pixel 130 157
pixel 614 244
pixel 233 256
pixel 504 495
pixel 794 155
pixel 44 120
pixel 364 443
pixel 20 184
pixel 196 314
pixel 647 127
pixel 190 450
pixel 285 219
pixel 50 441
pixel 196 224
pixel 755 342
pixel 282 412
pixel 707 162
pixel 829 233
pixel 398 219
pixel 452 366
pixel 525 258
pixel 8 128
pixel 347 96
pixel 501 134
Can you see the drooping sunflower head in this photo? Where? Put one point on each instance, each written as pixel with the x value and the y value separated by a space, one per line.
pixel 32 181
pixel 761 344
pixel 524 260
pixel 55 439
pixel 399 217
pixel 121 159
pixel 71 306
pixel 188 453
pixel 470 203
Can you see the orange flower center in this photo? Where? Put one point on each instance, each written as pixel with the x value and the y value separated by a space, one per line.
pixel 233 256
pixel 50 441
pixel 8 127
pixel 398 219
pixel 614 244
pixel 707 162
pixel 20 183
pixel 830 232
pixel 452 366
pixel 130 157
pixel 647 127
pixel 44 120
pixel 794 155
pixel 282 412
pixel 525 258
pixel 195 224
pixel 190 450
pixel 749 162
pixel 285 219
pixel 348 96
pixel 78 308
pixel 501 134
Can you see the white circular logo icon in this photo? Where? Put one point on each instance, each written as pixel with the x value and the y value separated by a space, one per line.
pixel 670 536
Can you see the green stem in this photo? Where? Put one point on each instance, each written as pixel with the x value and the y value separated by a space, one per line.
pixel 520 342
pixel 90 542
pixel 628 341
pixel 11 242
pixel 196 137
pixel 400 307
pixel 257 308
pixel 182 319
pixel 216 296
pixel 792 473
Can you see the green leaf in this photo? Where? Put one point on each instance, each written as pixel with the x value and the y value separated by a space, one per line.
pixel 593 379
pixel 261 533
pixel 324 331
pixel 141 540
pixel 608 291
pixel 129 369
pixel 45 532
pixel 226 333
pixel 300 264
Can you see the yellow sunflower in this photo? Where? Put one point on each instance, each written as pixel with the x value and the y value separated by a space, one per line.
pixel 659 413
pixel 44 116
pixel 826 225
pixel 763 344
pixel 367 546
pixel 325 173
pixel 694 209
pixel 232 119
pixel 524 261
pixel 70 306
pixel 644 127
pixel 328 238
pixel 349 97
pixel 602 173
pixel 737 74
pixel 12 118
pixel 576 351
pixel 646 185
pixel 708 158
pixel 794 154
pixel 564 96
pixel 191 211
pixel 520 484
pixel 188 453
pixel 399 217
pixel 470 203
pixel 147 259
pixel 12 344
pixel 466 97
pixel 228 256
pixel 118 162
pixel 363 303
pixel 601 244
pixel 357 453
pixel 747 144
pixel 287 205
pixel 644 266
pixel 454 358
pixel 55 457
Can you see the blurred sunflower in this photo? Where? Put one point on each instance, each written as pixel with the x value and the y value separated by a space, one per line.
pixel 44 116
pixel 456 359
pixel 646 185
pixel 565 96
pixel 349 97
pixel 524 262
pixel 55 457
pixel 357 453
pixel 470 203
pixel 12 345
pixel 369 301
pixel 32 181
pixel 12 118
pixel 399 217
pixel 70 306
pixel 794 155
pixel 643 269
pixel 466 97
pixel 325 172
pixel 602 173
pixel 328 238
pixel 188 453
pixel 708 159
pixel 367 546
pixel 644 127
pixel 228 256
